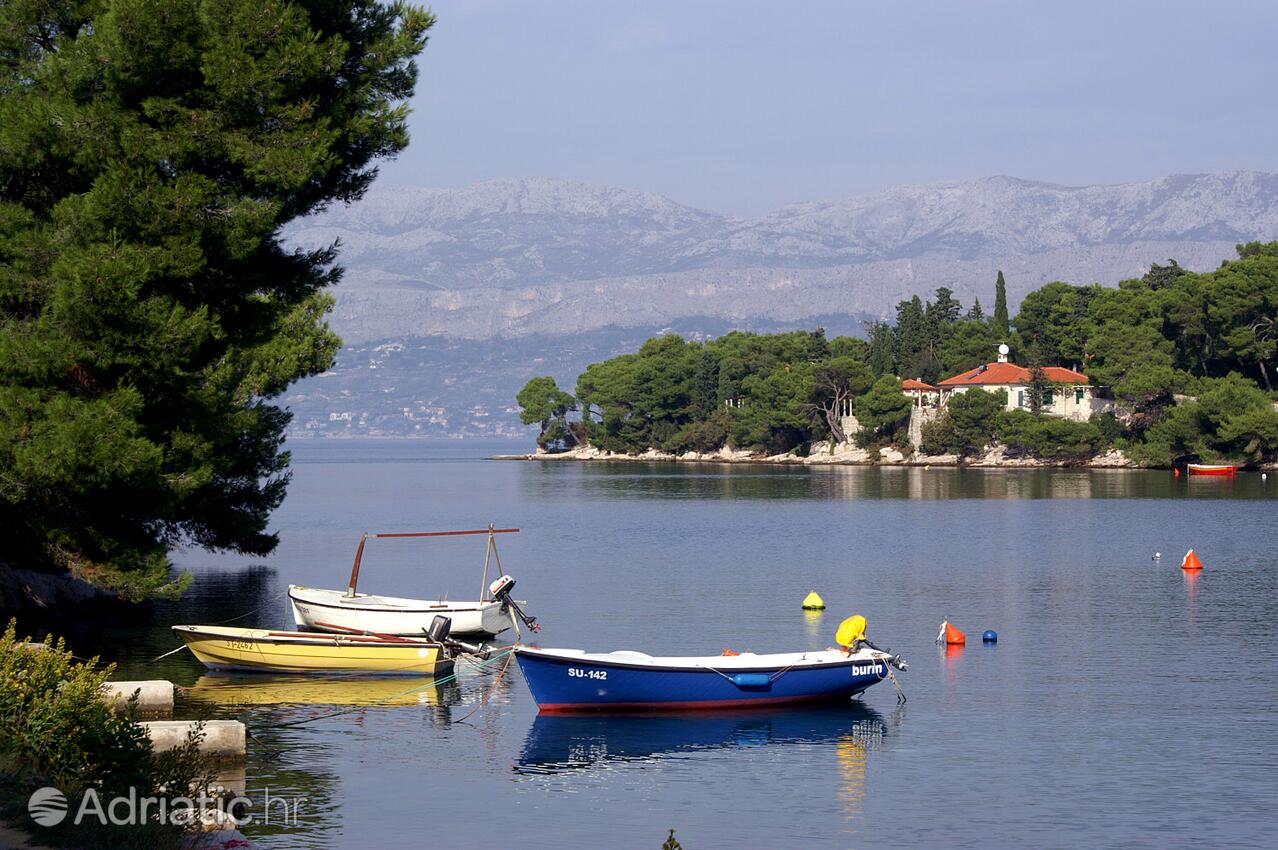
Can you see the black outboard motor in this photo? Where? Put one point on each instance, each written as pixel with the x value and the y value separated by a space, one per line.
pixel 440 629
pixel 501 589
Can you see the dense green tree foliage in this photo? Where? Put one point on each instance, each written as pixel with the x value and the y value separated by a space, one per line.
pixel 150 153
pixel 882 359
pixel 1188 359
pixel 541 402
pixel 883 412
pixel 968 424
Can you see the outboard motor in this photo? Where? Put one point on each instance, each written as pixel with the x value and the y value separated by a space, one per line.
pixel 501 590
pixel 440 629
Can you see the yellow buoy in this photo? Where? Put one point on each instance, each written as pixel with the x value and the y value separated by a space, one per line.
pixel 850 631
pixel 813 602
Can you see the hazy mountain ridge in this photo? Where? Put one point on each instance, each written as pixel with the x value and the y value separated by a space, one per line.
pixel 745 296
pixel 1007 216
pixel 506 233
pixel 519 233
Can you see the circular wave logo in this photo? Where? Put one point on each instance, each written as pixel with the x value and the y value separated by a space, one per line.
pixel 47 806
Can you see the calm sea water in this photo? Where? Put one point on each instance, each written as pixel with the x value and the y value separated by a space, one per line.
pixel 1125 705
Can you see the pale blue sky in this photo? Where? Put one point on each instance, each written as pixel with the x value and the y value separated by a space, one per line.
pixel 742 107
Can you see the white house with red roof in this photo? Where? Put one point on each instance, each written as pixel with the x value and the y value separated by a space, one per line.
pixel 1071 396
pixel 921 393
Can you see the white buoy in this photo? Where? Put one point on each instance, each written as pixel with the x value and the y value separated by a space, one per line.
pixel 1157 555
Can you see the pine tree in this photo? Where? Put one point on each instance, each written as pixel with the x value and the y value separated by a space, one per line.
pixel 946 308
pixel 976 312
pixel 151 151
pixel 1001 322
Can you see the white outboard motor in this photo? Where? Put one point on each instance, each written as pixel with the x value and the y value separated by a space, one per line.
pixel 502 587
pixel 501 590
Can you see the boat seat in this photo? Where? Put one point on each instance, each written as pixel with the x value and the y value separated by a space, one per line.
pixel 630 653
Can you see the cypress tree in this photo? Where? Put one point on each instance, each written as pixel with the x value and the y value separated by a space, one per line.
pixel 976 312
pixel 1001 322
pixel 151 151
pixel 881 359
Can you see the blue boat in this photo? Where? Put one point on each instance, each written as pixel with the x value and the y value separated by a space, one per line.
pixel 567 680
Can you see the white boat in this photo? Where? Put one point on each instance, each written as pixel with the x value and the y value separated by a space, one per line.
pixel 320 609
pixel 316 608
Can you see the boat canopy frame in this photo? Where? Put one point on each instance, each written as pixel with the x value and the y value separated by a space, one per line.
pixel 489 553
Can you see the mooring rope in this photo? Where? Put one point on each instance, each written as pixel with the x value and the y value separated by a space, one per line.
pixel 492 687
pixel 271 601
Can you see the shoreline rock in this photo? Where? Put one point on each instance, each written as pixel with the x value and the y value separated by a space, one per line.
pixel 843 454
pixel 48 599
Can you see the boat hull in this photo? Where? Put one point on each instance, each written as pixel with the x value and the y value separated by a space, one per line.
pixel 260 651
pixel 568 683
pixel 391 616
pixel 1212 469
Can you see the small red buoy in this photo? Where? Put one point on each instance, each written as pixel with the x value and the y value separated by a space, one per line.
pixel 1191 562
pixel 1177 471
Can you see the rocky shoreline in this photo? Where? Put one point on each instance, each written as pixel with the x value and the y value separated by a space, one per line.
pixel 841 455
pixel 44 599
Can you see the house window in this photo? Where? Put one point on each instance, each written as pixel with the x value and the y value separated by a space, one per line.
pixel 1020 398
pixel 1047 398
pixel 1078 395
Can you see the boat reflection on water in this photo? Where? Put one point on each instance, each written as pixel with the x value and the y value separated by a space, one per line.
pixel 563 743
pixel 231 690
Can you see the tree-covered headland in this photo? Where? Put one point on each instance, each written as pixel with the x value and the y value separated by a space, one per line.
pixel 1189 359
pixel 150 153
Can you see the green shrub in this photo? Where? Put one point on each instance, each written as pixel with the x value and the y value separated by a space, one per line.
pixel 883 411
pixel 1108 425
pixel 707 436
pixel 57 730
pixel 969 424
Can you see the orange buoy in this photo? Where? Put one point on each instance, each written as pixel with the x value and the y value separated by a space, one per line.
pixel 1191 562
pixel 951 635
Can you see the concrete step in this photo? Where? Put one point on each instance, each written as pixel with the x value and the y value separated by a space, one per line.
pixel 223 739
pixel 155 696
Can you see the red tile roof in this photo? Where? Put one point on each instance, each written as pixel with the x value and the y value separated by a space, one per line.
pixel 1000 374
pixel 918 386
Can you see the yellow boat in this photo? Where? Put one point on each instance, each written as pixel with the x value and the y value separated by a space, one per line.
pixel 264 651
pixel 233 690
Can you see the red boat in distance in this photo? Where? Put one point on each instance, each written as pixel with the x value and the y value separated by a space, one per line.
pixel 1213 469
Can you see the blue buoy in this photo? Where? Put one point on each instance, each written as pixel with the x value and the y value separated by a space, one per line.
pixel 990 636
